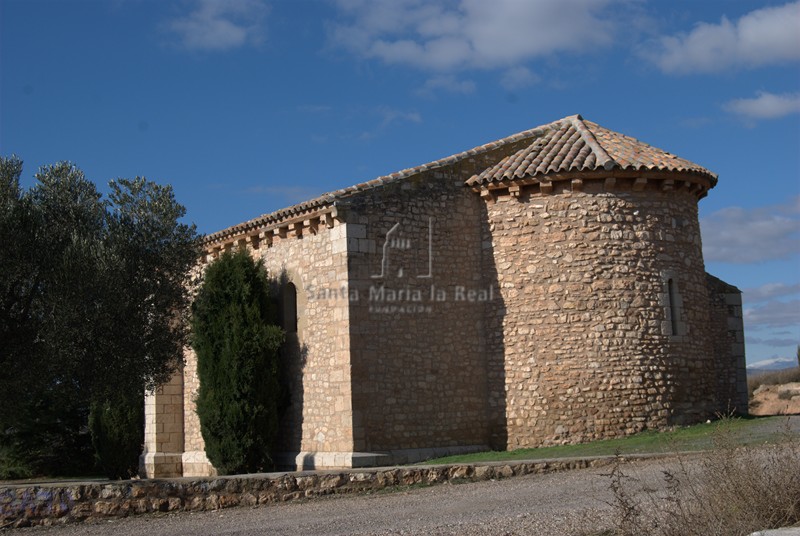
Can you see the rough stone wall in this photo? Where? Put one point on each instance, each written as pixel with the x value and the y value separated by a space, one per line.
pixel 586 348
pixel 417 335
pixel 727 331
pixel 429 316
pixel 317 357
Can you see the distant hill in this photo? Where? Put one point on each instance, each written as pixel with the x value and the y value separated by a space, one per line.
pixel 767 365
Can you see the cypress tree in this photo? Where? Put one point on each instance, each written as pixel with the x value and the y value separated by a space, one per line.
pixel 237 340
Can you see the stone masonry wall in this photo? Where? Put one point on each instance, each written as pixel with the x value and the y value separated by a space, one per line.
pixel 195 462
pixel 727 330
pixel 417 310
pixel 587 348
pixel 316 358
pixel 164 434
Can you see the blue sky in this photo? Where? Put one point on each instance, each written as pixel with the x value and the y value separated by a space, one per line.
pixel 248 106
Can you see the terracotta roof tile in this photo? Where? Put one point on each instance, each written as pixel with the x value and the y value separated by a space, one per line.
pixel 569 144
pixel 574 144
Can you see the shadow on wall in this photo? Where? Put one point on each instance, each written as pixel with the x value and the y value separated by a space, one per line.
pixel 293 357
pixel 494 342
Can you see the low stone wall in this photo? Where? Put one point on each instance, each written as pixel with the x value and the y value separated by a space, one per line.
pixel 48 504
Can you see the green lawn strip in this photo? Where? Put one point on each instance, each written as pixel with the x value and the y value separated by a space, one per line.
pixel 744 431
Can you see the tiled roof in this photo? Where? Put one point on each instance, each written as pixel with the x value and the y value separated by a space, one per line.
pixel 328 199
pixel 569 144
pixel 574 144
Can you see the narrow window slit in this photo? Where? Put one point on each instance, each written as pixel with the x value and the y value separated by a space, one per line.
pixel 673 306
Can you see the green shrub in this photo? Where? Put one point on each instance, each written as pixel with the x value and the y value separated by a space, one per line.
pixel 117 427
pixel 236 339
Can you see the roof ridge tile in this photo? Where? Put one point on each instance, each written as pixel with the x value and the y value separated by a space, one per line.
pixel 602 157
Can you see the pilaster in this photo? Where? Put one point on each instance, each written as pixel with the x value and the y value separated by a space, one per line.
pixel 163 430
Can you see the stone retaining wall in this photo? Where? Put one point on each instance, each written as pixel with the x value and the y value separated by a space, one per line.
pixel 48 504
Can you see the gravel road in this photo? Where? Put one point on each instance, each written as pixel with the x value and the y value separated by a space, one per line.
pixel 553 504
pixel 559 504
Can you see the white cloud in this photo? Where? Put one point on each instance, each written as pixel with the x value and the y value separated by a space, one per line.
pixel 518 78
pixel 770 290
pixel 775 342
pixel 442 35
pixel 738 235
pixel 774 314
pixel 762 37
pixel 220 24
pixel 446 83
pixel 388 117
pixel 765 106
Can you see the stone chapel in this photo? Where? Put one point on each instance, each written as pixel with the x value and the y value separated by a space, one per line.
pixel 545 288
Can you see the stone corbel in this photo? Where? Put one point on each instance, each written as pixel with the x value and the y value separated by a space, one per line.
pixel 639 184
pixel 667 185
pixel 487 195
pixel 266 236
pixel 577 185
pixel 546 187
pixel 609 184
pixel 253 240
pixel 515 190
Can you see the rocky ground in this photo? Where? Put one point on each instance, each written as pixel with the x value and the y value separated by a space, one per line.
pixel 776 400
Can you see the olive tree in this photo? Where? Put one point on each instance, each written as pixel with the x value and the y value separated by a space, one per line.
pixel 93 305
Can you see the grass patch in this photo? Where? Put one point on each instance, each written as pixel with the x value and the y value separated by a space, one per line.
pixel 745 431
